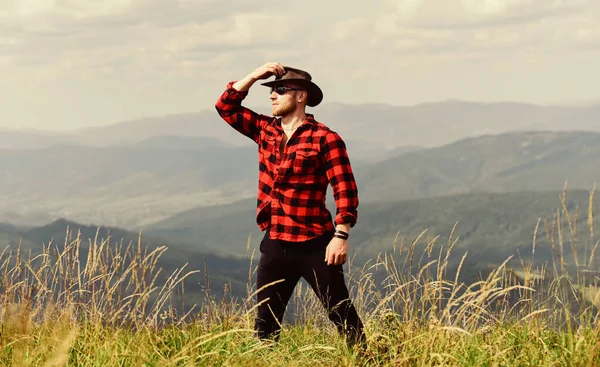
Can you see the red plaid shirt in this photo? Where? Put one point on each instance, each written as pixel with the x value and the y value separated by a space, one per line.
pixel 292 184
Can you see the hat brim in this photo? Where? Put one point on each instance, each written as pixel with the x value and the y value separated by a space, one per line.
pixel 315 94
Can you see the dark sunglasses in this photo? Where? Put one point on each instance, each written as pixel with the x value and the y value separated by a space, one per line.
pixel 281 89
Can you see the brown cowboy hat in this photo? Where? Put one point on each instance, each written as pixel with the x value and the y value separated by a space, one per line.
pixel 302 78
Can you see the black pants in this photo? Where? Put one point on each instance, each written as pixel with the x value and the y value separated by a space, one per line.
pixel 290 261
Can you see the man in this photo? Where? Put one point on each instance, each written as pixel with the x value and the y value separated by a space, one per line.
pixel 298 158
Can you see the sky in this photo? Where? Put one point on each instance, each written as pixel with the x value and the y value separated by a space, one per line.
pixel 71 64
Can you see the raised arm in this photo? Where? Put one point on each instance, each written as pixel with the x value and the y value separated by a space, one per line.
pixel 229 105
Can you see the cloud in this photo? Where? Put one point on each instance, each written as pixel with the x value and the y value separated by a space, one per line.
pixel 65 16
pixel 111 33
pixel 465 13
pixel 504 15
pixel 85 34
pixel 475 26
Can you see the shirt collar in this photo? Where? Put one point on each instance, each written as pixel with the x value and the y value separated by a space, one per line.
pixel 310 120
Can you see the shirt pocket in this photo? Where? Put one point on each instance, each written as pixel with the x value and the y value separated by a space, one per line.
pixel 268 151
pixel 306 161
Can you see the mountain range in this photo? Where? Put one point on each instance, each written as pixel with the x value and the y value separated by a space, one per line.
pixel 384 126
pixel 511 162
pixel 134 185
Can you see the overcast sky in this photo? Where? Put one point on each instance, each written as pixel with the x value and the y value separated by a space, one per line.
pixel 68 64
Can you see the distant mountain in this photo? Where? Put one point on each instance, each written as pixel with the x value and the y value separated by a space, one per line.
pixel 126 184
pixel 132 185
pixel 8 234
pixel 221 228
pixel 201 124
pixel 182 142
pixel 31 139
pixel 123 185
pixel 532 161
pixel 56 232
pixel 203 214
pixel 381 127
pixel 362 146
pixel 136 172
pixel 364 153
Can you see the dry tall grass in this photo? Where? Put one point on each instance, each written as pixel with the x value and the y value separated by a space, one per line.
pixel 59 308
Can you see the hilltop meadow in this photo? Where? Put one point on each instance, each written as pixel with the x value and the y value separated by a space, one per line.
pixel 466 253
pixel 129 174
pixel 109 308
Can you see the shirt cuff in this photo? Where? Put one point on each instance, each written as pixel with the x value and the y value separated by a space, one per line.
pixel 343 218
pixel 234 93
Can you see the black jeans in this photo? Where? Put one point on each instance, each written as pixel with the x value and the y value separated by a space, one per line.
pixel 290 261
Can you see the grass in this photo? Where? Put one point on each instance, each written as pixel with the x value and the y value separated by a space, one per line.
pixel 114 307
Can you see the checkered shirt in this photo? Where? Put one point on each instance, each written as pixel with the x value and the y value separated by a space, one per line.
pixel 292 183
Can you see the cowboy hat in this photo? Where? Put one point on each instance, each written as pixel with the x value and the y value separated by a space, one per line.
pixel 302 78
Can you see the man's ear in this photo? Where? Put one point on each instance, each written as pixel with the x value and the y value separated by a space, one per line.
pixel 303 96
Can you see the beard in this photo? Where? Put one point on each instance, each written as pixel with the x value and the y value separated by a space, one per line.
pixel 283 109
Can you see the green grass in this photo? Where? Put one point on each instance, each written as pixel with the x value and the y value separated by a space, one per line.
pixel 113 310
pixel 390 343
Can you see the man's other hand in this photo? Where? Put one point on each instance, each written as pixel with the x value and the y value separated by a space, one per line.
pixel 336 252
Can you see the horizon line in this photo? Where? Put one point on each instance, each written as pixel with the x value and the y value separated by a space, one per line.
pixel 564 104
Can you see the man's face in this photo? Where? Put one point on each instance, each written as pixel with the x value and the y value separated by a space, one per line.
pixel 286 102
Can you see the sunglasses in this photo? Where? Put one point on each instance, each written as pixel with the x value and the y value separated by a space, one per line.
pixel 281 89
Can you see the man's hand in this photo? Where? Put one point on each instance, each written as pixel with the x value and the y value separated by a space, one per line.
pixel 262 72
pixel 336 252
pixel 267 70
